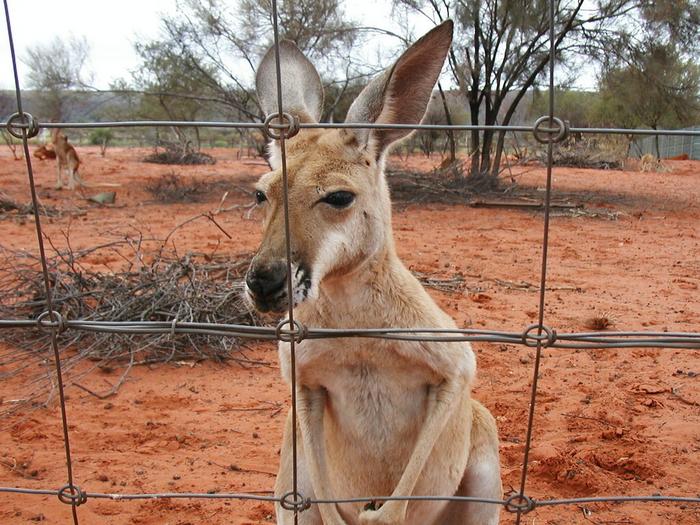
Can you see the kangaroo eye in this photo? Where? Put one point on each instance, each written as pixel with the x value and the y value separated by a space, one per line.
pixel 260 197
pixel 339 199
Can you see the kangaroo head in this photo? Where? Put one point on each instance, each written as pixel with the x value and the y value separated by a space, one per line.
pixel 339 206
pixel 57 136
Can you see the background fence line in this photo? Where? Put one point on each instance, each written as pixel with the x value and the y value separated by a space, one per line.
pixel 548 130
pixel 670 146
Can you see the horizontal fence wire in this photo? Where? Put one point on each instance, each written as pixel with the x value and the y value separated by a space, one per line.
pixel 539 336
pixel 563 340
pixel 349 125
pixel 259 496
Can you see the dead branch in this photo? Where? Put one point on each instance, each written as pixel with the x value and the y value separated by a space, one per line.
pixel 150 282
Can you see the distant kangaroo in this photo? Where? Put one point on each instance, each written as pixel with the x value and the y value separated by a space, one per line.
pixel 376 417
pixel 45 152
pixel 67 160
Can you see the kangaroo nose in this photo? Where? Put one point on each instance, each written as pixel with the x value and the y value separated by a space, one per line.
pixel 267 279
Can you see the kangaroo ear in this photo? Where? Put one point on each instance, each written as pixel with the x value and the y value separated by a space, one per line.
pixel 302 91
pixel 401 94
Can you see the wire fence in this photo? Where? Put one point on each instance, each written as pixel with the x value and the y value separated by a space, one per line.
pixel 665 147
pixel 548 129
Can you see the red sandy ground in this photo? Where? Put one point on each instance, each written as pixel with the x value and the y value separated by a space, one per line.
pixel 609 422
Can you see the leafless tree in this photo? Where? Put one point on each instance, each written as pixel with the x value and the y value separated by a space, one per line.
pixel 8 105
pixel 222 45
pixel 56 68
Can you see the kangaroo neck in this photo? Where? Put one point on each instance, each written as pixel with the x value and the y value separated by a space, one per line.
pixel 371 295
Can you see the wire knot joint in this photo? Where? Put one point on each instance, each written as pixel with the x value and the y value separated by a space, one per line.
pixel 295 502
pixel 555 131
pixel 51 319
pixel 277 127
pixel 297 334
pixel 72 495
pixel 544 337
pixel 21 125
pixel 520 503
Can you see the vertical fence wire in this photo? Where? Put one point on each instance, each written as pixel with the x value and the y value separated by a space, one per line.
pixel 288 247
pixel 523 505
pixel 75 497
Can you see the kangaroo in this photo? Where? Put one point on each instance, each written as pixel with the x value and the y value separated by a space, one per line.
pixel 45 152
pixel 375 417
pixel 67 160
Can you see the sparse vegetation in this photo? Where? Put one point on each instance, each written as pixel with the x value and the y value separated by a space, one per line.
pixel 176 153
pixel 160 285
pixel 171 188
pixel 101 137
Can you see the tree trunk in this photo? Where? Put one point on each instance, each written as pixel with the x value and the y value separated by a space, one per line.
pixel 474 99
pixel 474 139
pixel 198 138
pixel 450 133
pixel 486 143
pixel 495 168
pixel 10 144
pixel 656 143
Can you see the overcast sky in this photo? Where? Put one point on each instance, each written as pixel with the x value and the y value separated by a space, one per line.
pixel 111 28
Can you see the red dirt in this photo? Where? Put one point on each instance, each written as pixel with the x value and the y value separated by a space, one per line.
pixel 609 422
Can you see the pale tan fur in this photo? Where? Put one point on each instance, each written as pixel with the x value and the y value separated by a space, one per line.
pixel 376 417
pixel 649 163
pixel 67 160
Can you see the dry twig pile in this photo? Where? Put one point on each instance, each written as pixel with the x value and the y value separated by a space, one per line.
pixel 160 287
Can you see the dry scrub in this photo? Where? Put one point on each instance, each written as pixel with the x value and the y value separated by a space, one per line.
pixel 160 286
pixel 171 188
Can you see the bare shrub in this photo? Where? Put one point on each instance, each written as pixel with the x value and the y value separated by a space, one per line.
pixel 177 153
pixel 587 153
pixel 171 188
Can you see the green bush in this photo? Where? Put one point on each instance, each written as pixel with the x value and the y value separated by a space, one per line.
pixel 99 137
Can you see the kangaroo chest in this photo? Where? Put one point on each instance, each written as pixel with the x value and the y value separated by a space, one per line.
pixel 375 395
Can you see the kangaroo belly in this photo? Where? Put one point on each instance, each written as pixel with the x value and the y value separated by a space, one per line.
pixel 371 428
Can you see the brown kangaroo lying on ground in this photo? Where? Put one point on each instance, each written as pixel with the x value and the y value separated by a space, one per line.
pixel 376 417
pixel 45 152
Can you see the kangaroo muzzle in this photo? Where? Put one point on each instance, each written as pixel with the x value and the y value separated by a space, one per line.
pixel 266 283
